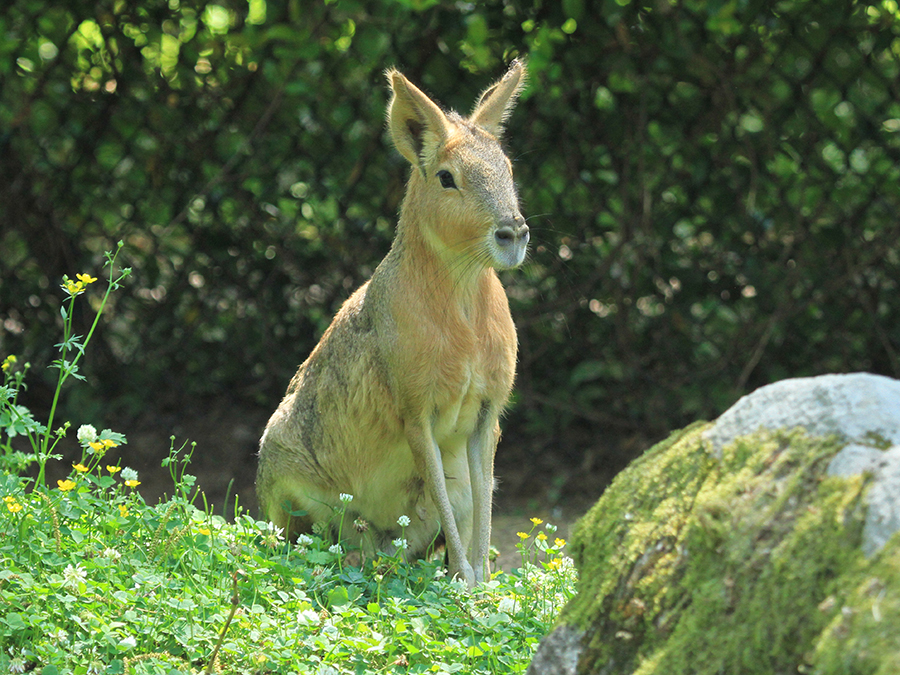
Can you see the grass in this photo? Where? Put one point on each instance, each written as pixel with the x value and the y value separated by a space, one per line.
pixel 95 580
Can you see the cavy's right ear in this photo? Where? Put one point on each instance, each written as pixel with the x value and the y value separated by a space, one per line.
pixel 418 126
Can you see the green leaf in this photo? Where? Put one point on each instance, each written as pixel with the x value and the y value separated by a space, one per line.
pixel 109 435
pixel 320 557
pixel 587 371
pixel 338 596
pixel 15 621
pixel 17 420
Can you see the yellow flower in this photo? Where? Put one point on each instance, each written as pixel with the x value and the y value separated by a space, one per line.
pixel 77 287
pixel 7 362
pixel 132 483
pixel 553 564
pixel 73 287
pixel 113 469
pixel 12 505
pixel 203 530
pixel 100 447
pixel 66 485
pixel 80 468
pixel 559 543
pixel 536 521
pixel 522 535
pixel 123 510
pixel 541 536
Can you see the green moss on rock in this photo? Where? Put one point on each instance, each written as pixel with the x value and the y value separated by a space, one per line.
pixel 863 635
pixel 746 564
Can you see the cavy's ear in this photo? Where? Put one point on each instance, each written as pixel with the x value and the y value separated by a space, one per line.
pixel 497 101
pixel 418 126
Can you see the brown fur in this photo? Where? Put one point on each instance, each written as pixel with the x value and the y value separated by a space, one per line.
pixel 399 402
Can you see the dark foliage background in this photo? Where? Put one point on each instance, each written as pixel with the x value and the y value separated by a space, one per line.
pixel 713 190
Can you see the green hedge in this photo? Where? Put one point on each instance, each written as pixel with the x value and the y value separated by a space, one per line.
pixel 713 188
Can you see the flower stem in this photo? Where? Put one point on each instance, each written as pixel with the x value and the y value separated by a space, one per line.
pixel 66 369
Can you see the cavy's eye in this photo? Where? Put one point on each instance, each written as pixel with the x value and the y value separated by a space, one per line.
pixel 446 179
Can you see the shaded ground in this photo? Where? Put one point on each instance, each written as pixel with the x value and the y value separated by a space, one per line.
pixel 533 480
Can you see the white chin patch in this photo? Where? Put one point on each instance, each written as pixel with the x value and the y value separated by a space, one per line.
pixel 506 257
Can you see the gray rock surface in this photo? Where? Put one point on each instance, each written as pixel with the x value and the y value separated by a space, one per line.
pixel 855 459
pixel 854 406
pixel 862 408
pixel 883 515
pixel 558 654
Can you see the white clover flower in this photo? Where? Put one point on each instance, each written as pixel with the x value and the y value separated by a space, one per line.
pixel 129 474
pixel 273 530
pixel 507 604
pixel 308 617
pixel 336 549
pixel 130 642
pixel 86 434
pixel 400 544
pixel 304 540
pixel 346 498
pixel 272 535
pixel 17 665
pixel 112 554
pixel 403 521
pixel 58 635
pixel 73 576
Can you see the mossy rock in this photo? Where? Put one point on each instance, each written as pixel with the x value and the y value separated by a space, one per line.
pixel 746 557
